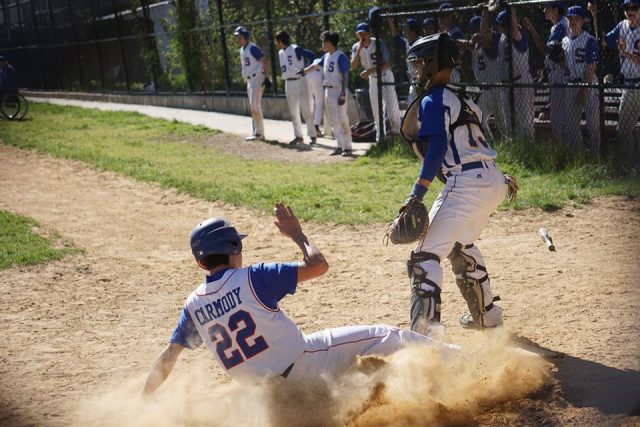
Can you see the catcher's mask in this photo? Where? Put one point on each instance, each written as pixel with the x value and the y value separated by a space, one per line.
pixel 215 236
pixel 431 54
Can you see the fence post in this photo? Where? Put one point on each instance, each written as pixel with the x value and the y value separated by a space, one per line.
pixel 122 53
pixel 511 82
pixel 223 42
pixel 76 47
pixel 38 49
pixel 376 31
pixel 604 142
pixel 325 16
pixel 53 33
pixel 98 48
pixel 272 50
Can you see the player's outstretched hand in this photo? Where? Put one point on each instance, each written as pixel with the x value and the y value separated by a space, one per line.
pixel 286 221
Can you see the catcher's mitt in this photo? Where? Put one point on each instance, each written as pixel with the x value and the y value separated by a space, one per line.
pixel 410 225
pixel 556 53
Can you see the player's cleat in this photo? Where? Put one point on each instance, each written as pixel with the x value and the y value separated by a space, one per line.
pixel 314 140
pixel 492 319
pixel 336 152
pixel 256 137
pixel 347 153
pixel 296 140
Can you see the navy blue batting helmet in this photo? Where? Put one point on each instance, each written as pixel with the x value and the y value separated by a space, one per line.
pixel 215 236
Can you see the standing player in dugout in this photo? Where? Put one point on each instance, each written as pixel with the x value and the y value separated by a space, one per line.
pixel 444 129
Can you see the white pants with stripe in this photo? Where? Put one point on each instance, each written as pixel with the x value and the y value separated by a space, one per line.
pixel 390 106
pixel 298 100
pixel 255 89
pixel 338 117
pixel 628 117
pixel 333 351
pixel 460 213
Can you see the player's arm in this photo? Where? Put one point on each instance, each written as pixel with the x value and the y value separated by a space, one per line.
pixel 162 367
pixel 611 38
pixel 432 129
pixel 313 263
pixel 343 66
pixel 515 27
pixel 485 36
pixel 537 39
pixel 355 55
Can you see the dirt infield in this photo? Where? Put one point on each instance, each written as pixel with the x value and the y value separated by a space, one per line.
pixel 91 325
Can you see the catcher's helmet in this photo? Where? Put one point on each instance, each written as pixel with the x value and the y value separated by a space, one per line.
pixel 215 236
pixel 432 54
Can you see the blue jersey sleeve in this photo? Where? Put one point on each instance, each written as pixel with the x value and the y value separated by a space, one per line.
pixel 256 52
pixel 386 57
pixel 272 282
pixel 343 64
pixel 185 333
pixel 432 128
pixel 304 53
pixel 591 51
pixel 400 42
pixel 611 38
pixel 558 32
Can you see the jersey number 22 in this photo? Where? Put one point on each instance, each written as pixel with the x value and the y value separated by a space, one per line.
pixel 221 338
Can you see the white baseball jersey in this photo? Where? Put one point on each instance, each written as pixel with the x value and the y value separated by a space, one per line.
pixel 333 67
pixel 290 62
pixel 466 143
pixel 579 52
pixel 520 51
pixel 248 335
pixel 486 62
pixel 368 55
pixel 250 56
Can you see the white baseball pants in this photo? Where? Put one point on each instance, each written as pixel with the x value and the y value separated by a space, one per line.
pixel 333 351
pixel 628 116
pixel 255 89
pixel 316 95
pixel 338 117
pixel 298 100
pixel 572 118
pixel 390 106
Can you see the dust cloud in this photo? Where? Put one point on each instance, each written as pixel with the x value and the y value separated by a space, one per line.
pixel 417 386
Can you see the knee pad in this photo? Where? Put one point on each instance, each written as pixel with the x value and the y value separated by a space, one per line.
pixel 425 291
pixel 473 282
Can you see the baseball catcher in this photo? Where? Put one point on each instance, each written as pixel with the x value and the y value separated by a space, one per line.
pixel 443 128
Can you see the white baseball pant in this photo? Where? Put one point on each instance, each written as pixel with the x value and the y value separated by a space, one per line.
pixel 255 89
pixel 628 116
pixel 390 106
pixel 572 118
pixel 338 117
pixel 490 104
pixel 298 100
pixel 316 95
pixel 523 105
pixel 558 105
pixel 333 351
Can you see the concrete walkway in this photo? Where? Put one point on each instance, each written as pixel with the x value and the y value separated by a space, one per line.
pixel 275 130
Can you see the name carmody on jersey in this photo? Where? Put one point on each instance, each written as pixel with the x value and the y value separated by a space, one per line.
pixel 219 307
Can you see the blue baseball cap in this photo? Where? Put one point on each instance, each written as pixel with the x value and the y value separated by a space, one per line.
pixel 429 22
pixel 576 11
pixel 363 27
pixel 445 7
pixel 631 2
pixel 242 31
pixel 502 17
pixel 474 23
pixel 413 25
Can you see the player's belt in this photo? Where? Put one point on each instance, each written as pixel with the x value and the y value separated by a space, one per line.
pixel 287 371
pixel 469 166
pixel 515 79
pixel 329 86
pixel 632 81
pixel 575 81
pixel 293 78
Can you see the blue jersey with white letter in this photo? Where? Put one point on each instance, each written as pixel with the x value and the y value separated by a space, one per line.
pixel 236 314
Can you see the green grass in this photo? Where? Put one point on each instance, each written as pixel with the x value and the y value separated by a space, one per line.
pixel 369 189
pixel 20 244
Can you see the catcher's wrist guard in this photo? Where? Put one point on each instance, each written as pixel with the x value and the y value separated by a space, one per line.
pixel 418 191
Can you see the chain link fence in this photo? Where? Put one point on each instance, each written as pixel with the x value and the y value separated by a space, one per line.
pixel 527 84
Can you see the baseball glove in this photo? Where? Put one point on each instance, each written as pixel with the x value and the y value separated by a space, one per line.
pixel 512 187
pixel 410 225
pixel 556 53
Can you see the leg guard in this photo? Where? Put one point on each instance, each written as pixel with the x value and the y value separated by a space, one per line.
pixel 473 281
pixel 425 292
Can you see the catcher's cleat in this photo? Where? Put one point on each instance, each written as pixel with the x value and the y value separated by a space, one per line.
pixel 296 140
pixel 256 137
pixel 314 140
pixel 336 152
pixel 491 319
